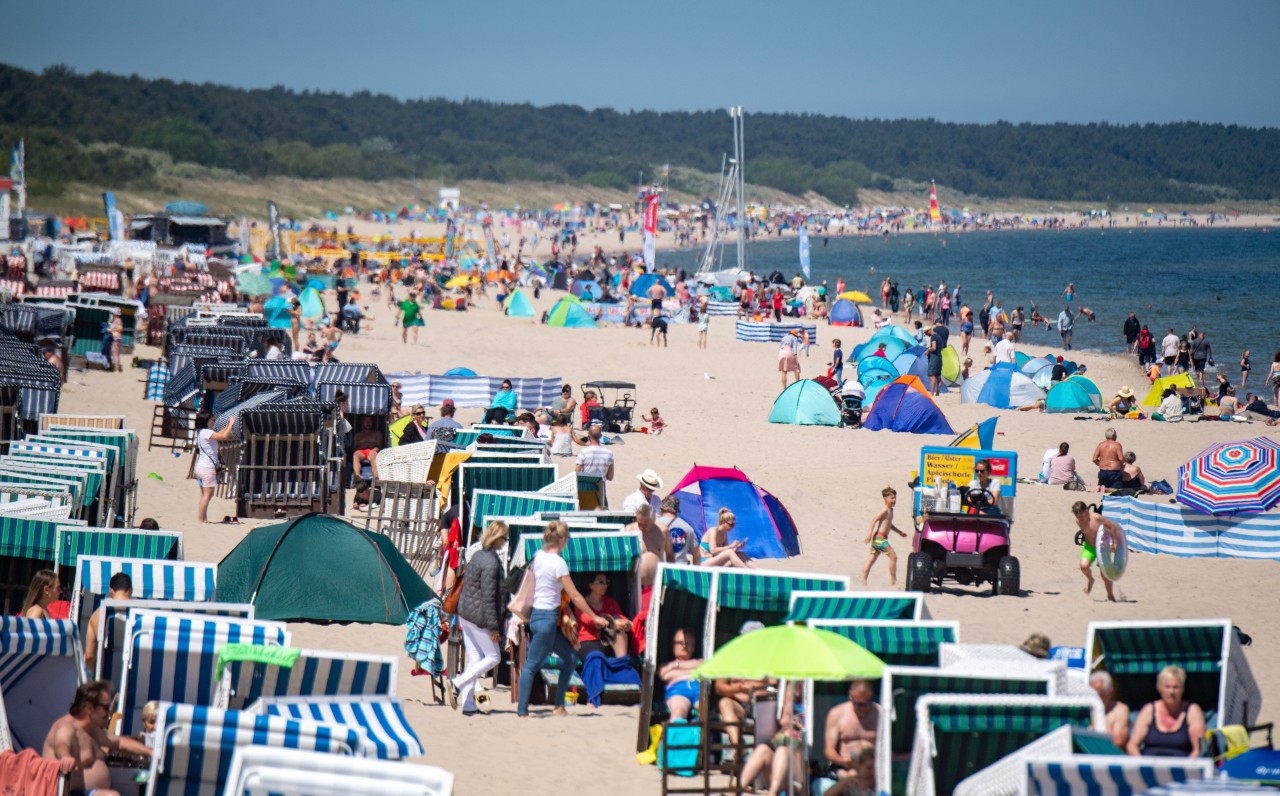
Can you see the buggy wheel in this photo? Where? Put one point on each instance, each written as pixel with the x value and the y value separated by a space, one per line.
pixel 1009 577
pixel 919 572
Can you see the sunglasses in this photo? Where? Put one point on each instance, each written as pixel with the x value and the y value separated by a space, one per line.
pixel 419 414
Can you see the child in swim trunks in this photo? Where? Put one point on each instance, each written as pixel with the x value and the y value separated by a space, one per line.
pixel 1090 524
pixel 878 536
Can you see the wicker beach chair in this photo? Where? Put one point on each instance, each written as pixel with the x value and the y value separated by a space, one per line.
pixel 41 665
pixel 891 606
pixel 293 772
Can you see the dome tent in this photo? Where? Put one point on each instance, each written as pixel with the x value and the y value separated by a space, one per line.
pixel 905 405
pixel 844 313
pixel 805 403
pixel 321 568
pixel 763 524
pixel 517 305
pixel 1001 386
pixel 568 312
pixel 1074 394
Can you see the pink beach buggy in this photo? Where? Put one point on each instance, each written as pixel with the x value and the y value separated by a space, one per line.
pixel 963 534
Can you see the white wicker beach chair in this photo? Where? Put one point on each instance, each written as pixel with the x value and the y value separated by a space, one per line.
pixel 406 462
pixel 293 772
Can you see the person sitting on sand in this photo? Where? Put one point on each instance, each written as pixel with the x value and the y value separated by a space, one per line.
pixel 1123 403
pixel 718 551
pixel 1117 711
pixel 1228 404
pixel 1170 409
pixel 1062 467
pixel 681 694
pixel 1090 522
pixel 1133 478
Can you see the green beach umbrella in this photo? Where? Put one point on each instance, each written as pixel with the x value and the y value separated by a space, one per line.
pixel 791 652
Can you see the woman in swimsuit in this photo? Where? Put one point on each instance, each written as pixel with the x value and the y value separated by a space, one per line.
pixel 718 551
pixel 1170 726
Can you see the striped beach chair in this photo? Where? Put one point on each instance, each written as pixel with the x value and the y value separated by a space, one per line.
pixel 172 657
pixel 112 627
pixel 74 541
pixel 125 443
pixel 379 718
pixel 760 595
pixel 292 772
pixel 518 528
pixel 1219 678
pixel 1007 775
pixel 487 503
pixel 504 478
pixel 896 643
pixel 195 745
pixel 885 605
pixel 957 735
pixel 315 674
pixel 41 665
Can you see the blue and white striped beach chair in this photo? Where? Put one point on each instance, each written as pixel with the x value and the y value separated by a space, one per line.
pixel 380 718
pixel 1008 775
pixel 315 674
pixel 291 772
pixel 173 657
pixel 41 666
pixel 1105 775
pixel 195 745
pixel 109 653
pixel 188 581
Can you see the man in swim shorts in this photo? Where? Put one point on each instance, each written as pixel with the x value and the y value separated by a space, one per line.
pixel 77 740
pixel 1090 523
pixel 1109 456
pixel 681 694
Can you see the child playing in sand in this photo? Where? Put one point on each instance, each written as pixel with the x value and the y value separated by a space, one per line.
pixel 878 536
pixel 655 421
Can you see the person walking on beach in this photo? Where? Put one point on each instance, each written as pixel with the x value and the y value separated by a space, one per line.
pixel 481 607
pixel 411 317
pixel 1131 329
pixel 1066 326
pixel 789 356
pixel 1169 351
pixel 937 342
pixel 878 536
pixel 1109 457
pixel 1090 523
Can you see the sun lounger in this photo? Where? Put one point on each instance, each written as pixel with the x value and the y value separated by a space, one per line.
pixel 316 674
pixel 379 718
pixel 41 665
pixel 293 772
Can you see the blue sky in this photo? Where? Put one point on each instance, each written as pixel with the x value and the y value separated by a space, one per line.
pixel 1074 61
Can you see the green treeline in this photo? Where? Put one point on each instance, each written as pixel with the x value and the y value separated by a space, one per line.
pixel 119 131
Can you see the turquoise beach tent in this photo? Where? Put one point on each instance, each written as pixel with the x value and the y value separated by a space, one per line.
pixel 805 403
pixel 876 369
pixel 896 332
pixel 517 305
pixel 1075 394
pixel 568 313
pixel 893 348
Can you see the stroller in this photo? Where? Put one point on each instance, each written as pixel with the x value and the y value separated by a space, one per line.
pixel 851 395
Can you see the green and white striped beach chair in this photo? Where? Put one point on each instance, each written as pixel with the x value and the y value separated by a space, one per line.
pixel 74 541
pixel 487 503
pixel 503 478
pixel 1219 678
pixel 126 443
pixel 761 595
pixel 959 734
pixel 294 772
pixel 882 605
pixel 520 527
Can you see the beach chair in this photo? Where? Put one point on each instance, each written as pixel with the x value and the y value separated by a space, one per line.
pixel 486 503
pixel 195 745
pixel 172 657
pixel 884 605
pixel 315 674
pixel 1007 776
pixel 41 666
pixel 503 478
pixel 1102 775
pixel 518 528
pixel 125 442
pixel 26 546
pixel 617 554
pixel 74 541
pixel 380 719
pixel 291 461
pixel 1219 678
pixel 957 735
pixel 293 772
pixel 113 623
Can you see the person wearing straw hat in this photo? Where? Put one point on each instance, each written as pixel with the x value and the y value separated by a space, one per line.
pixel 1123 403
pixel 647 492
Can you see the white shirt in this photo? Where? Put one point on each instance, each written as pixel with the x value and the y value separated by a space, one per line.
pixel 207 450
pixel 993 487
pixel 1169 346
pixel 637 499
pixel 548 569
pixel 1004 351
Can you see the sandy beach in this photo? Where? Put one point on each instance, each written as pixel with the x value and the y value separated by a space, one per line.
pixel 716 402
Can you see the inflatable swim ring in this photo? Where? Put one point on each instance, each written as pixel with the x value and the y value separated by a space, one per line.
pixel 1112 562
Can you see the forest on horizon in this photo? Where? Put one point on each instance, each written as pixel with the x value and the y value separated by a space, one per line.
pixel 120 132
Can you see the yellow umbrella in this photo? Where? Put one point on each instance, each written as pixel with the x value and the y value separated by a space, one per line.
pixel 856 296
pixel 459 281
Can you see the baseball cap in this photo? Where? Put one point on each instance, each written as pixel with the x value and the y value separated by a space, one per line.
pixel 447 402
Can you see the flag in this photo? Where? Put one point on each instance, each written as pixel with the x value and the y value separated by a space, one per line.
pixel 650 229
pixel 115 219
pixel 18 173
pixel 273 219
pixel 491 251
pixel 4 214
pixel 450 231
pixel 804 250
pixel 934 215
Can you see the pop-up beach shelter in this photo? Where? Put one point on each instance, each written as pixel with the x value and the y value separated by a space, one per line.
pixel 568 312
pixel 979 436
pixel 1074 394
pixel 517 305
pixel 763 524
pixel 893 348
pixel 640 287
pixel 905 405
pixel 915 362
pixel 1002 386
pixel 844 313
pixel 1179 381
pixel 805 403
pixel 318 567
pixel 895 332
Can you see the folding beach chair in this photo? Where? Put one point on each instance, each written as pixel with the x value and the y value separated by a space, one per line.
pixel 173 657
pixel 292 772
pixel 379 718
pixel 957 735
pixel 41 666
pixel 316 674
pixel 1219 678
pixel 886 605
pixel 195 745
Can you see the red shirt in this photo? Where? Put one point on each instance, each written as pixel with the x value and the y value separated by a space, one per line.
pixel 777 300
pixel 587 630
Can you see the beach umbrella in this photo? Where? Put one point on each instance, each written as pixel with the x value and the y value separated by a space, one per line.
pixel 1232 478
pixel 791 652
pixel 459 281
pixel 856 296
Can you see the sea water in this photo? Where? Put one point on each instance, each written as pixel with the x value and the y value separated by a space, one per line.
pixel 1226 282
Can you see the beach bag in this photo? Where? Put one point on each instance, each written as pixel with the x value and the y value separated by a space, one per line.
pixel 451 601
pixel 568 622
pixel 521 603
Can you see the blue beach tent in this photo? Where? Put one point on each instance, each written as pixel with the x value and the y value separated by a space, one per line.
pixel 844 313
pixel 763 524
pixel 1002 386
pixel 805 403
pixel 905 405
pixel 517 305
pixel 640 287
pixel 1075 394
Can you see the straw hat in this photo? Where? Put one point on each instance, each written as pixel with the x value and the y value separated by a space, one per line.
pixel 1037 645
pixel 650 479
pixel 1125 392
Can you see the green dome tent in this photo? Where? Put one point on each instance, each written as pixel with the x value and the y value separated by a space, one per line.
pixel 568 312
pixel 805 403
pixel 321 568
pixel 517 305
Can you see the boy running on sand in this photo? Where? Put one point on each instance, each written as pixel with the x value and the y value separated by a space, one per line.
pixel 1090 523
pixel 878 536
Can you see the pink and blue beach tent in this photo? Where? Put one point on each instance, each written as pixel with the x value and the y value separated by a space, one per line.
pixel 905 405
pixel 844 313
pixel 763 524
pixel 1003 386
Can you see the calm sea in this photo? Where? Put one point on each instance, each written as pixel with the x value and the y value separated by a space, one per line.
pixel 1226 282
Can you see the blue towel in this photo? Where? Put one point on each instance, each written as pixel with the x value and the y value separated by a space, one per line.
pixel 599 671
